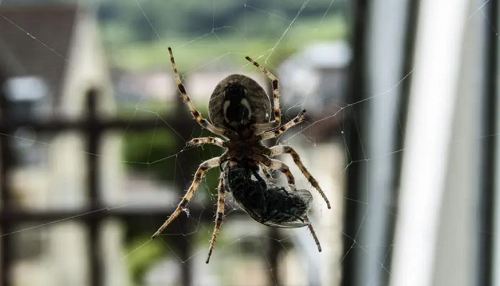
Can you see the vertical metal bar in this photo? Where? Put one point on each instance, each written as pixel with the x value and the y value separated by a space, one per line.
pixel 487 231
pixel 6 164
pixel 410 37
pixel 359 12
pixel 93 222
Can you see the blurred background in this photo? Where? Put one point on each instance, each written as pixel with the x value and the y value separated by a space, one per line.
pixel 401 134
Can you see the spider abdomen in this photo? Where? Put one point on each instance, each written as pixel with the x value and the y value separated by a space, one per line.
pixel 237 102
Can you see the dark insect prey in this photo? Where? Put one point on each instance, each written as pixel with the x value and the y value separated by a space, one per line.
pixel 265 202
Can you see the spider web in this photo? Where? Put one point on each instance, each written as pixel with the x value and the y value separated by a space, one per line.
pixel 240 256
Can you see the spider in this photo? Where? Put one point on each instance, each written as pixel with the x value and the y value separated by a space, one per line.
pixel 239 111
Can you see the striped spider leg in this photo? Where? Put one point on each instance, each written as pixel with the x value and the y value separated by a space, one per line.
pixel 219 216
pixel 275 133
pixel 274 164
pixel 206 140
pixel 205 166
pixel 261 127
pixel 284 149
pixel 223 132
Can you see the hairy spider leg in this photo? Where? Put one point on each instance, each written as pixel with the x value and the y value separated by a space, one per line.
pixel 219 216
pixel 276 165
pixel 284 149
pixel 275 133
pixel 313 233
pixel 206 140
pixel 196 114
pixel 205 166
pixel 265 171
pixel 261 127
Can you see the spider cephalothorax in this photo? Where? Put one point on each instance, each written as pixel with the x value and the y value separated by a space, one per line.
pixel 240 112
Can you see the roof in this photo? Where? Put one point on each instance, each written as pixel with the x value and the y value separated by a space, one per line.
pixel 35 41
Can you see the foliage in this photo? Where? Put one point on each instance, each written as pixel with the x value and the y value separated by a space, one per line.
pixel 141 55
pixel 151 20
pixel 147 150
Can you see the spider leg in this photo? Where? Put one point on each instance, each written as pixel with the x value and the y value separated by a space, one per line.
pixel 259 128
pixel 276 165
pixel 276 100
pixel 196 114
pixel 265 171
pixel 283 149
pixel 275 133
pixel 206 140
pixel 313 233
pixel 218 218
pixel 209 164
